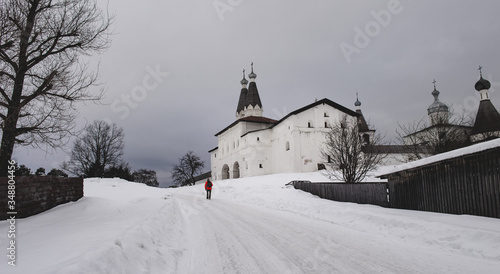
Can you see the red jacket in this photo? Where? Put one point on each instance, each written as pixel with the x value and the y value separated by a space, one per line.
pixel 208 187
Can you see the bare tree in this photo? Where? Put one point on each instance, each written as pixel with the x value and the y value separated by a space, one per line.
pixel 100 148
pixel 348 156
pixel 41 71
pixel 443 134
pixel 145 176
pixel 189 166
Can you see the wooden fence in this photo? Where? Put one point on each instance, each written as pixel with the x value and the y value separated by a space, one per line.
pixel 363 193
pixel 466 185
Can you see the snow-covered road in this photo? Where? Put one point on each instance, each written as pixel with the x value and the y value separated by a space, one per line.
pixel 251 225
pixel 229 237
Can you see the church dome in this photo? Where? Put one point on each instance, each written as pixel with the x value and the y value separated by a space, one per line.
pixel 357 103
pixel 252 75
pixel 437 106
pixel 244 81
pixel 482 84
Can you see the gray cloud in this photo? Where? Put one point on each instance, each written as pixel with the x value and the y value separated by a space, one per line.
pixel 296 48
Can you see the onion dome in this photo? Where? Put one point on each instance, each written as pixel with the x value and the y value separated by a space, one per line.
pixel 252 75
pixel 437 106
pixel 244 81
pixel 357 104
pixel 482 83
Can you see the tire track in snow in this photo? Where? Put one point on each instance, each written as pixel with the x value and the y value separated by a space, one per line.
pixel 224 236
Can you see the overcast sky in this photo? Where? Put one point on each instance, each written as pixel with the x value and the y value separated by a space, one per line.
pixel 173 69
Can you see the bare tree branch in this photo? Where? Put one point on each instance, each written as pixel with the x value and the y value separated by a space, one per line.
pixel 189 166
pixel 446 133
pixel 41 71
pixel 99 148
pixel 348 156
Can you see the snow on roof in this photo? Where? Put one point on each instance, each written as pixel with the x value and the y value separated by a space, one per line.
pixel 444 156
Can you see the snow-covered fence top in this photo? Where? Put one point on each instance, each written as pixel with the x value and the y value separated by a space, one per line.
pixel 35 194
pixel 443 156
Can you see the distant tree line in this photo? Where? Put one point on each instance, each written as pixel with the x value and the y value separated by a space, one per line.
pixel 22 170
pixel 98 153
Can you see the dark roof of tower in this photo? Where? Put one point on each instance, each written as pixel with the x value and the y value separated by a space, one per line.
pixel 253 98
pixel 362 125
pixel 487 118
pixel 242 100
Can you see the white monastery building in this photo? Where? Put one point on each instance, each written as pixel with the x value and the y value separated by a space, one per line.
pixel 255 145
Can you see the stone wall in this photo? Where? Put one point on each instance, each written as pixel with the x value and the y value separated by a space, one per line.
pixel 35 194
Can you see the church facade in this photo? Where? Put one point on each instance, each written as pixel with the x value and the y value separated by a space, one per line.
pixel 255 145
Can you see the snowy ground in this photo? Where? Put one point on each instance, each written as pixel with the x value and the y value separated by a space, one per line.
pixel 251 225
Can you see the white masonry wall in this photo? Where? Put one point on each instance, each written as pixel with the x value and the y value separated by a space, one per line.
pixel 294 145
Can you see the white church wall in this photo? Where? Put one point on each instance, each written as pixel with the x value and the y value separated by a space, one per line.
pixel 257 153
pixel 305 134
pixel 249 126
pixel 284 146
pixel 294 145
pixel 229 145
pixel 242 156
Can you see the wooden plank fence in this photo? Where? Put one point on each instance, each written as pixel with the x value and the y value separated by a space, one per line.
pixel 362 193
pixel 465 185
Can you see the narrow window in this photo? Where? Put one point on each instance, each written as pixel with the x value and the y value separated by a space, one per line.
pixel 260 165
pixel 258 139
pixel 287 146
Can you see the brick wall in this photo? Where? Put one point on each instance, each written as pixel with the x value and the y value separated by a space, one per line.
pixel 37 194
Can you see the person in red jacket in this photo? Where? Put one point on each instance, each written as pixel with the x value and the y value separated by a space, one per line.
pixel 208 188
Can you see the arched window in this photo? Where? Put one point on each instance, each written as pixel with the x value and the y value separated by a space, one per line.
pixel 236 170
pixel 225 172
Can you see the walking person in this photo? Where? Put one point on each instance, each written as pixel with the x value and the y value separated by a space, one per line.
pixel 208 188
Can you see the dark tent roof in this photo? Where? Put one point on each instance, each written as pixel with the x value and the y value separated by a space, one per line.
pixel 487 119
pixel 242 100
pixel 362 125
pixel 253 98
